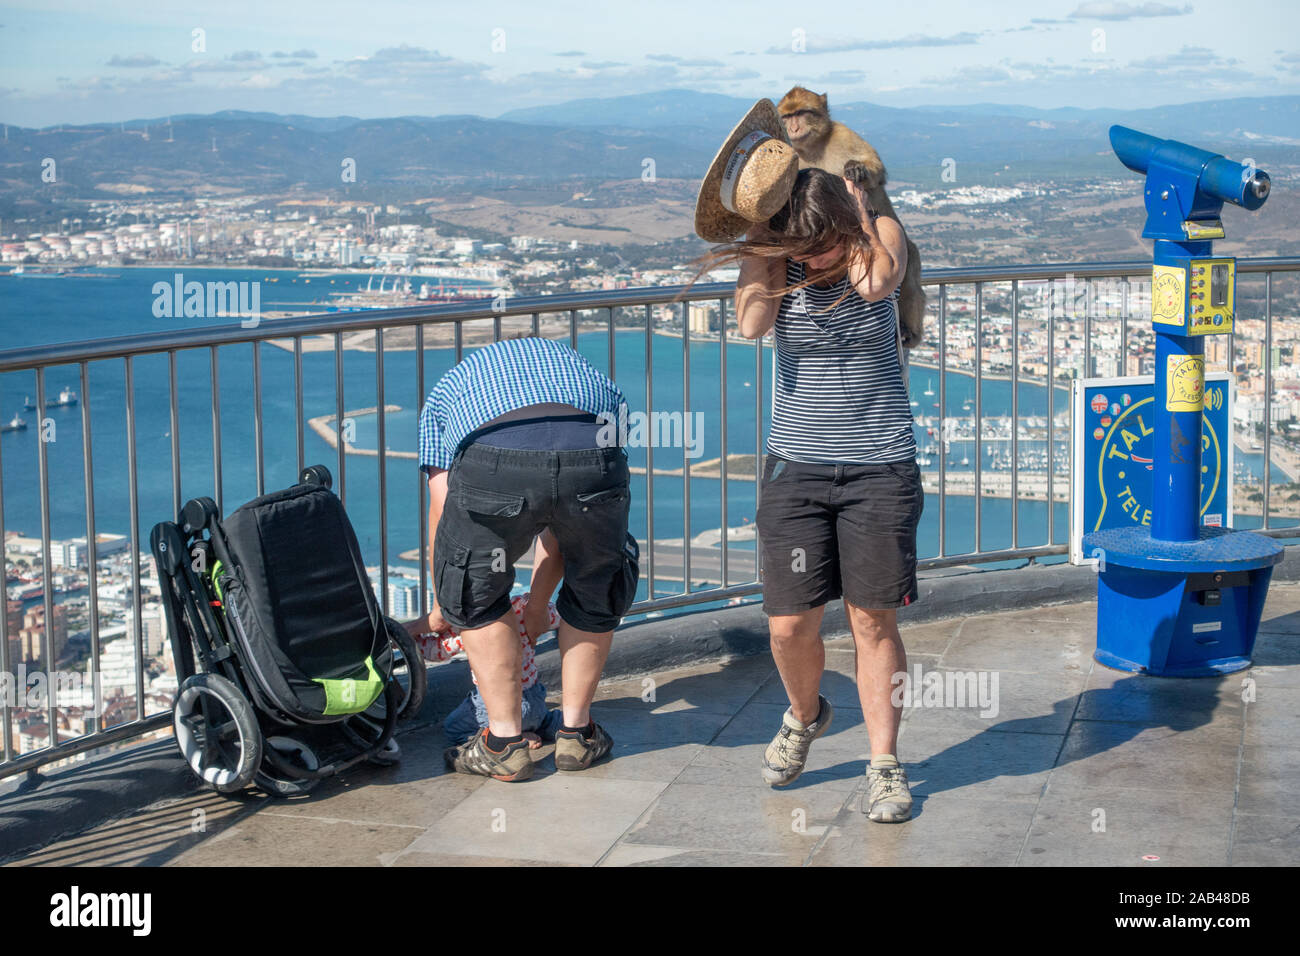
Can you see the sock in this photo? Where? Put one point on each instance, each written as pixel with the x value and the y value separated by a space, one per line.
pixel 585 731
pixel 884 761
pixel 794 722
pixel 497 744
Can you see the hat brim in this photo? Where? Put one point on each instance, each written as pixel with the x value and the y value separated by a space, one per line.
pixel 714 222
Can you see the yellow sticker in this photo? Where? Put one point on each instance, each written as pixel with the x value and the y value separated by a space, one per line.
pixel 1185 384
pixel 1168 294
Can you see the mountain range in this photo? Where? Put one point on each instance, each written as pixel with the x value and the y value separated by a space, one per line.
pixel 583 141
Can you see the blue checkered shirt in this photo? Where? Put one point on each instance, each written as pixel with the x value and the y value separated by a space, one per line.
pixel 501 378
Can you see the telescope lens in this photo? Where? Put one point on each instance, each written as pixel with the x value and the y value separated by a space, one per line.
pixel 1260 186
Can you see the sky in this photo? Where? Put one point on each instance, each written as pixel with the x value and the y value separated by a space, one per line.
pixel 80 61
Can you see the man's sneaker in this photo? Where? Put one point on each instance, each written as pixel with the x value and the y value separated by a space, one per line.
pixel 787 753
pixel 888 799
pixel 576 752
pixel 511 765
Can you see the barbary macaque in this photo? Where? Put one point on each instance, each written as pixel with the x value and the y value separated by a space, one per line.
pixel 825 144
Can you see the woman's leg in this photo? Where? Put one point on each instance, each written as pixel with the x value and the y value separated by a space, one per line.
pixel 880 656
pixel 800 657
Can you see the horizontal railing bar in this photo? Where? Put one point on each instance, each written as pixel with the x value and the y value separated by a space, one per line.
pixel 368 320
pixel 102 738
pixel 984 557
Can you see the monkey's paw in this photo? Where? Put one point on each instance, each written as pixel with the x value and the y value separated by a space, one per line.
pixel 860 175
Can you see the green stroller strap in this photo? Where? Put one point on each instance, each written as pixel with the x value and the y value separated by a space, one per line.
pixel 350 696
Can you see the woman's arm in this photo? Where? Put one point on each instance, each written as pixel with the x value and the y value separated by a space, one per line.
pixel 756 312
pixel 888 246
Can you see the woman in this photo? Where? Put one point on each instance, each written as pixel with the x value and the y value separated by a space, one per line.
pixel 841 493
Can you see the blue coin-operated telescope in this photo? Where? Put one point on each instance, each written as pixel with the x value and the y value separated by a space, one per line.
pixel 1178 598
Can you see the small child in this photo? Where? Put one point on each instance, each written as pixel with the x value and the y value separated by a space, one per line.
pixel 539 723
pixel 471 717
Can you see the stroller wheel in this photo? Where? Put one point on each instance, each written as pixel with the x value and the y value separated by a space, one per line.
pixel 197 513
pixel 409 670
pixel 274 780
pixel 316 475
pixel 217 732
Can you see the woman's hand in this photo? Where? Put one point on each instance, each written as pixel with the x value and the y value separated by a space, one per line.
pixel 864 208
pixel 878 269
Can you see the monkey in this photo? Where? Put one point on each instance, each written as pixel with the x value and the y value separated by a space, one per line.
pixel 822 143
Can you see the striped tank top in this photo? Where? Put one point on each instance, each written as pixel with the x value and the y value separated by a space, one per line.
pixel 839 395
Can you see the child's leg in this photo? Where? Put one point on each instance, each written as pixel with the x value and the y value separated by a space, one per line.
pixel 462 723
pixel 534 713
pixel 538 717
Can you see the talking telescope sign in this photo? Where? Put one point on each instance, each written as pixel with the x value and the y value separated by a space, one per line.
pixel 1114 455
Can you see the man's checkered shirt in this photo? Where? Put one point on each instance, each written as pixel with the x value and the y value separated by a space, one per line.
pixel 501 378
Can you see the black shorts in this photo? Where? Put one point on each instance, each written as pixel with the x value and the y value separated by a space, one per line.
pixel 500 499
pixel 831 531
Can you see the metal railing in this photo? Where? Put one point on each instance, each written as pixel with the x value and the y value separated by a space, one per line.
pixel 967 342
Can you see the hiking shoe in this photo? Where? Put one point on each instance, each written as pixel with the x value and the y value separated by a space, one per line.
pixel 576 752
pixel 511 765
pixel 785 756
pixel 888 799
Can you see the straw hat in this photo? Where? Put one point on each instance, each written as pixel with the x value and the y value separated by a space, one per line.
pixel 750 179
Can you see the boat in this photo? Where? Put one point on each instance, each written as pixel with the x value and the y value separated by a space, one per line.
pixel 66 397
pixel 15 424
pixel 929 388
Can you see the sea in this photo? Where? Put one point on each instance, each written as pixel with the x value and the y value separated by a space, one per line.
pixel 97 304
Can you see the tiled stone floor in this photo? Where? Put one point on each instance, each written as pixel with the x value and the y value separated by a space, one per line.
pixel 1080 765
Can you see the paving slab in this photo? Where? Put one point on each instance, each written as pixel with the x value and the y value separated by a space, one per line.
pixel 945 830
pixel 1022 641
pixel 738 818
pixel 988 765
pixel 836 761
pixel 1145 757
pixel 1112 826
pixel 972 702
pixel 1198 705
pixel 558 817
pixel 1269 779
pixel 1265 840
pixel 271 838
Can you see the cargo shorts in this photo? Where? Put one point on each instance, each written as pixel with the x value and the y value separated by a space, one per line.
pixel 500 499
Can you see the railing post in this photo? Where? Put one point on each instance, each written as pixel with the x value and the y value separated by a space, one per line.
pixel 649 456
pixel 216 426
pixel 943 419
pixel 422 493
pixel 92 552
pixel 1268 397
pixel 1015 413
pixel 979 389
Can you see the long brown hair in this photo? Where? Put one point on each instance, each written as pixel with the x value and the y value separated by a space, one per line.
pixel 821 215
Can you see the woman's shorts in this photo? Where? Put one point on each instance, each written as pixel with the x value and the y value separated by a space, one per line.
pixel 831 531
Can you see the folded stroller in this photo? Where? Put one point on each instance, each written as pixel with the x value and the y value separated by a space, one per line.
pixel 288 670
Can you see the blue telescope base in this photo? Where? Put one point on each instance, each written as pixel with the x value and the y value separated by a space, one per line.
pixel 1179 608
